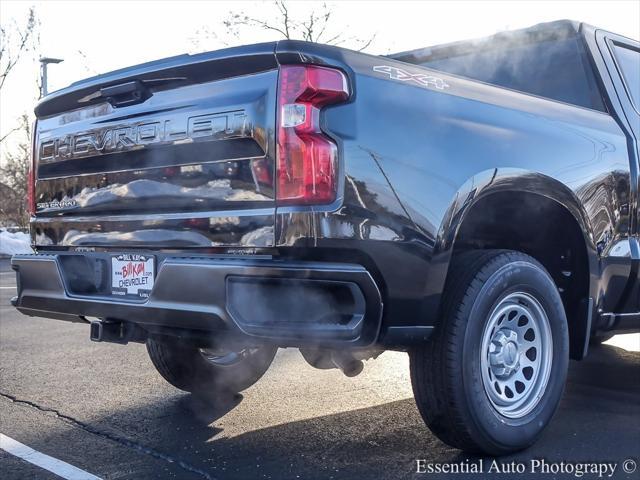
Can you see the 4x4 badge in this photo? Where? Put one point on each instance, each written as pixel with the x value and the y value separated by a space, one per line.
pixel 420 78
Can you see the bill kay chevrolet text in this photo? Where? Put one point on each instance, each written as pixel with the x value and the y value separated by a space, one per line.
pixel 474 204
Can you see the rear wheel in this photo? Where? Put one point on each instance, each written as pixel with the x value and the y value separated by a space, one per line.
pixel 208 371
pixel 491 377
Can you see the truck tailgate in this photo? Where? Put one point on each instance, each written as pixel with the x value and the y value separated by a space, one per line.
pixel 172 154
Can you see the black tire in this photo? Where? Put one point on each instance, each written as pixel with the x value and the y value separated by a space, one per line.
pixel 446 372
pixel 185 367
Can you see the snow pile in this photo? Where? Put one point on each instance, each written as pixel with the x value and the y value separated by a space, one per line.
pixel 13 243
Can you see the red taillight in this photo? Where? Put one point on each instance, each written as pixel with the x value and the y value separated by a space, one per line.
pixel 31 174
pixel 31 194
pixel 307 159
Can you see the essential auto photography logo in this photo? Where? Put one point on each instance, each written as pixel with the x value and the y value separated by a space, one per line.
pixel 537 466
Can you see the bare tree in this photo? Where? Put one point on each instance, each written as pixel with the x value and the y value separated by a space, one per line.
pixel 15 42
pixel 14 174
pixel 86 63
pixel 317 25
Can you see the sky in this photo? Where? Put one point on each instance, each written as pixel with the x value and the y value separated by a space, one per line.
pixel 98 36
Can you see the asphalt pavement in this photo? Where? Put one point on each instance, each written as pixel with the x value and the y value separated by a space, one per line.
pixel 103 409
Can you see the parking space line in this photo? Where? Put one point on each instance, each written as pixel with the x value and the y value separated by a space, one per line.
pixel 9 287
pixel 53 465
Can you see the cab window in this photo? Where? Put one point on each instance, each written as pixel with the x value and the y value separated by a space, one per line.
pixel 629 63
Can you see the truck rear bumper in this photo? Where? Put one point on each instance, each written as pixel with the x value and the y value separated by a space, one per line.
pixel 289 303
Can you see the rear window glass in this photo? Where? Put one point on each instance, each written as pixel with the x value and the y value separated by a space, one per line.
pixel 629 62
pixel 553 68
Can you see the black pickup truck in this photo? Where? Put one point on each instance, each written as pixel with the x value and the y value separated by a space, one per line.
pixel 474 204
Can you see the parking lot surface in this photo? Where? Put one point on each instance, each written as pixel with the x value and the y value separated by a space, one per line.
pixel 103 409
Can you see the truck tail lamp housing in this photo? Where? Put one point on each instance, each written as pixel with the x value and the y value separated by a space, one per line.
pixel 31 193
pixel 307 160
pixel 31 174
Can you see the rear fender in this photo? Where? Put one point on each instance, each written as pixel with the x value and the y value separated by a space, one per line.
pixel 494 181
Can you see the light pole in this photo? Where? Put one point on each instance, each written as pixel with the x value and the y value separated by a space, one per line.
pixel 44 61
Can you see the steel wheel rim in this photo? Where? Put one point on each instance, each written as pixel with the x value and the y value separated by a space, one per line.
pixel 516 355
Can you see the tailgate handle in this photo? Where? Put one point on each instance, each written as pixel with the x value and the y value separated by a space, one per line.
pixel 125 94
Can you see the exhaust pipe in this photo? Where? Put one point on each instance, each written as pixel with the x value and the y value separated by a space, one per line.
pixel 350 362
pixel 349 365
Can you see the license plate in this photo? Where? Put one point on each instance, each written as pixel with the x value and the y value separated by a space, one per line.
pixel 132 274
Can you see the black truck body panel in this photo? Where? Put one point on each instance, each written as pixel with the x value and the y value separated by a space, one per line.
pixel 180 175
pixel 194 147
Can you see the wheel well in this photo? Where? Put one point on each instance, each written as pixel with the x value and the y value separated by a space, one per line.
pixel 543 229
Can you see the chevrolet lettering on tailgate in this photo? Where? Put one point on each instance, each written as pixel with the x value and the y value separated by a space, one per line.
pixel 122 138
